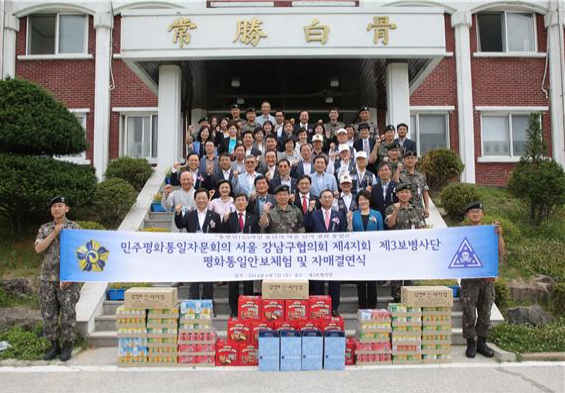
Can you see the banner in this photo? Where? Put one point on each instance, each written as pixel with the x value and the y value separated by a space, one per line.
pixel 462 252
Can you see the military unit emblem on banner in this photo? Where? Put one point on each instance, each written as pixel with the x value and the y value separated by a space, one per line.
pixel 465 257
pixel 92 257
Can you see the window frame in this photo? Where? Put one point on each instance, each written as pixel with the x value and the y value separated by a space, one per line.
pixel 124 137
pixel 57 35
pixel 505 37
pixel 508 115
pixel 81 157
pixel 440 111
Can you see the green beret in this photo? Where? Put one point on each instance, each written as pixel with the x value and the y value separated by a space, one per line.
pixel 403 186
pixel 282 188
pixel 410 153
pixel 394 145
pixel 474 205
pixel 59 199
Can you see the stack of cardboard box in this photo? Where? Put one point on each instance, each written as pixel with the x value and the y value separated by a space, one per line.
pixel 132 336
pixel 196 336
pixel 373 346
pixel 162 330
pixel 406 334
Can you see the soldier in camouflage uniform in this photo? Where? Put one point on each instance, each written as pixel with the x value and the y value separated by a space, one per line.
pixel 284 217
pixel 403 215
pixel 363 116
pixel 477 295
pixel 409 174
pixel 333 125
pixel 56 297
pixel 388 141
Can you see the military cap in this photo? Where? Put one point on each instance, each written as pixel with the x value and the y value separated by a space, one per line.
pixel 58 199
pixel 394 145
pixel 234 106
pixel 403 186
pixel 410 153
pixel 389 127
pixel 282 188
pixel 474 205
pixel 250 109
pixel 363 126
pixel 363 108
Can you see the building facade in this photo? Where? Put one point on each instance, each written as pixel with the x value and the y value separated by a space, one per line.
pixel 465 75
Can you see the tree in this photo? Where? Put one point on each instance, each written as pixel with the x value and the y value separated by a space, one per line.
pixel 538 181
pixel 34 127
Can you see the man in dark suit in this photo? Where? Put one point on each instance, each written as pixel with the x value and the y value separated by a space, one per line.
pixel 200 220
pixel 406 144
pixel 305 165
pixel 201 179
pixel 283 177
pixel 260 196
pixel 303 119
pixel 347 200
pixel 240 221
pixel 383 193
pixel 327 220
pixel 286 135
pixel 364 143
pixel 268 165
pixel 303 199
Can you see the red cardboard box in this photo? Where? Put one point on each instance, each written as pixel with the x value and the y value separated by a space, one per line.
pixel 226 354
pixel 257 326
pixel 283 325
pixel 248 355
pixel 350 345
pixel 320 308
pixel 333 324
pixel 249 307
pixel 196 348
pixel 272 310
pixel 297 310
pixel 238 331
pixel 196 359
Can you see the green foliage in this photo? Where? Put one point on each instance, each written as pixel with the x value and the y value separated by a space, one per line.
pixel 33 122
pixel 90 225
pixel 535 147
pixel 540 185
pixel 538 256
pixel 29 183
pixel 124 285
pixel 24 345
pixel 501 293
pixel 136 171
pixel 113 198
pixel 440 166
pixel 558 299
pixel 154 229
pixel 9 300
pixel 456 196
pixel 522 339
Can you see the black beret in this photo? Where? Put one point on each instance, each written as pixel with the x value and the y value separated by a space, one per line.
pixel 389 127
pixel 403 186
pixel 363 126
pixel 282 188
pixel 474 205
pixel 234 106
pixel 363 108
pixel 394 145
pixel 410 153
pixel 250 109
pixel 59 199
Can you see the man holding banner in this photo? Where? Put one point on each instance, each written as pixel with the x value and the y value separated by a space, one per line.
pixel 477 295
pixel 403 215
pixel 200 220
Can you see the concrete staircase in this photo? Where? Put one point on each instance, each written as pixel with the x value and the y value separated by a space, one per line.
pixel 105 333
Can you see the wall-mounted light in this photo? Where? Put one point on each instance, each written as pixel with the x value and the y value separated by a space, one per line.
pixel 329 100
pixel 334 81
pixel 235 82
pixel 240 101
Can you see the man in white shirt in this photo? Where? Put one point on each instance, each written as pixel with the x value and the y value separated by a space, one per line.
pixel 246 180
pixel 347 199
pixel 265 114
pixel 183 197
pixel 363 179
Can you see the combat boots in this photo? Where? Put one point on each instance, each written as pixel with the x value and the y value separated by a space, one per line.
pixel 471 348
pixel 483 349
pixel 66 352
pixel 53 351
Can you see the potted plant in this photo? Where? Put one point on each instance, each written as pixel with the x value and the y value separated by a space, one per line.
pixel 117 290
pixel 156 204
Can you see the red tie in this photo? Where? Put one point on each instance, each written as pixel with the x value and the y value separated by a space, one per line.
pixel 327 220
pixel 241 222
pixel 304 204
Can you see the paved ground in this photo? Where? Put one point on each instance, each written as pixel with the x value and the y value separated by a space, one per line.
pixel 95 371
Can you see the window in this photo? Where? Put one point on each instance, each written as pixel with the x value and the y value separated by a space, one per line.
pixel 504 134
pixel 430 131
pixel 506 32
pixel 51 34
pixel 140 136
pixel 80 158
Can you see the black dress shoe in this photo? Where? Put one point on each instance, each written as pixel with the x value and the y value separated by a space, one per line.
pixel 233 315
pixel 335 313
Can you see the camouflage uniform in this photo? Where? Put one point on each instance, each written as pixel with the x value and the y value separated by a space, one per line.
pixel 419 185
pixel 333 127
pixel 372 128
pixel 477 294
pixel 246 126
pixel 409 217
pixel 52 299
pixel 383 150
pixel 394 167
pixel 289 220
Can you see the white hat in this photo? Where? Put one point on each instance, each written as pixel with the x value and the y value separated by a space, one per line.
pixel 343 147
pixel 345 179
pixel 341 131
pixel 361 154
pixel 317 138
